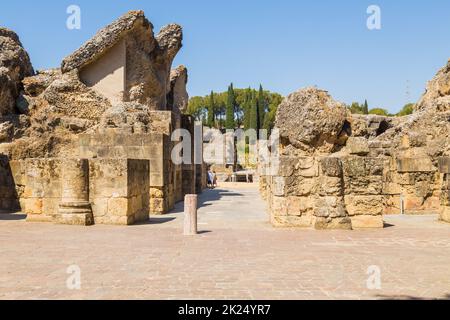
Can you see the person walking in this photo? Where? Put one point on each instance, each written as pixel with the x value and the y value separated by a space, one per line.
pixel 210 179
pixel 214 179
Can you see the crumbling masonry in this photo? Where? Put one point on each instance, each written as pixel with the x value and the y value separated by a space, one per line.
pixel 90 142
pixel 344 171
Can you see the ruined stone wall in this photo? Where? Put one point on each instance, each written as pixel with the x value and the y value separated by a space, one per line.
pixel 327 192
pixel 11 184
pixel 43 186
pixel 117 189
pixel 444 168
pixel 153 147
pixel 335 169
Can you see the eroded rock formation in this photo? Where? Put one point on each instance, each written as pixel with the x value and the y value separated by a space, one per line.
pixel 113 99
pixel 339 170
pixel 15 65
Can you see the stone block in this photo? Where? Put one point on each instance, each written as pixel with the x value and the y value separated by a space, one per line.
pixel 420 164
pixel 354 167
pixel 444 165
pixel 322 223
pixel 365 222
pixel 118 207
pixel 391 189
pixel 392 204
pixel 298 206
pixel 329 207
pixel 292 221
pixel 331 186
pixel 279 186
pixel 358 146
pixel 331 167
pixel 364 205
pixel 279 206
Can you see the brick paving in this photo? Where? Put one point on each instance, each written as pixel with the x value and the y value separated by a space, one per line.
pixel 238 255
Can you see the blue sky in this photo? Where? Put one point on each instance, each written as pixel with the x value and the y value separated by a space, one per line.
pixel 284 44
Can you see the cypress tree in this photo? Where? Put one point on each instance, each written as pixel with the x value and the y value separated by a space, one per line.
pixel 211 109
pixel 231 101
pixel 247 108
pixel 366 108
pixel 261 107
pixel 254 112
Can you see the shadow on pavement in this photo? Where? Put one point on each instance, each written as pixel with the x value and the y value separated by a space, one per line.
pixel 12 216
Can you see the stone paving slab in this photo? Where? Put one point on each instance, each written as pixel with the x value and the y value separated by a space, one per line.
pixel 238 255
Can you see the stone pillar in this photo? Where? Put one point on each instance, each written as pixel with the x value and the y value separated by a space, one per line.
pixel 74 208
pixel 190 215
pixel 444 168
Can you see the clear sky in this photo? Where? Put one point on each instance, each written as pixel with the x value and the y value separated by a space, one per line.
pixel 283 44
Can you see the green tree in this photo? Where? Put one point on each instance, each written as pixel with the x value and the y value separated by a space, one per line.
pixel 253 112
pixel 230 109
pixel 366 107
pixel 356 108
pixel 247 107
pixel 379 112
pixel 261 107
pixel 269 119
pixel 406 110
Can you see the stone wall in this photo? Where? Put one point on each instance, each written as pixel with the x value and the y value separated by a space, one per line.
pixel 112 143
pixel 119 190
pixel 11 184
pixel 326 192
pixel 444 168
pixel 116 190
pixel 43 189
pixel 338 167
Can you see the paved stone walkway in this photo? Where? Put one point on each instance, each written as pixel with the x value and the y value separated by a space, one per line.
pixel 238 255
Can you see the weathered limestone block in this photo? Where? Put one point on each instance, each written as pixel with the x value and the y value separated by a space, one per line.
pixel 291 211
pixel 74 207
pixel 292 221
pixel 43 186
pixel 331 167
pixel 444 168
pixel 311 120
pixel 405 165
pixel 321 223
pixel 330 207
pixel 358 146
pixel 119 190
pixel 444 165
pixel 363 176
pixel 300 186
pixel 330 186
pixel 367 221
pixel 364 205
pixel 157 201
